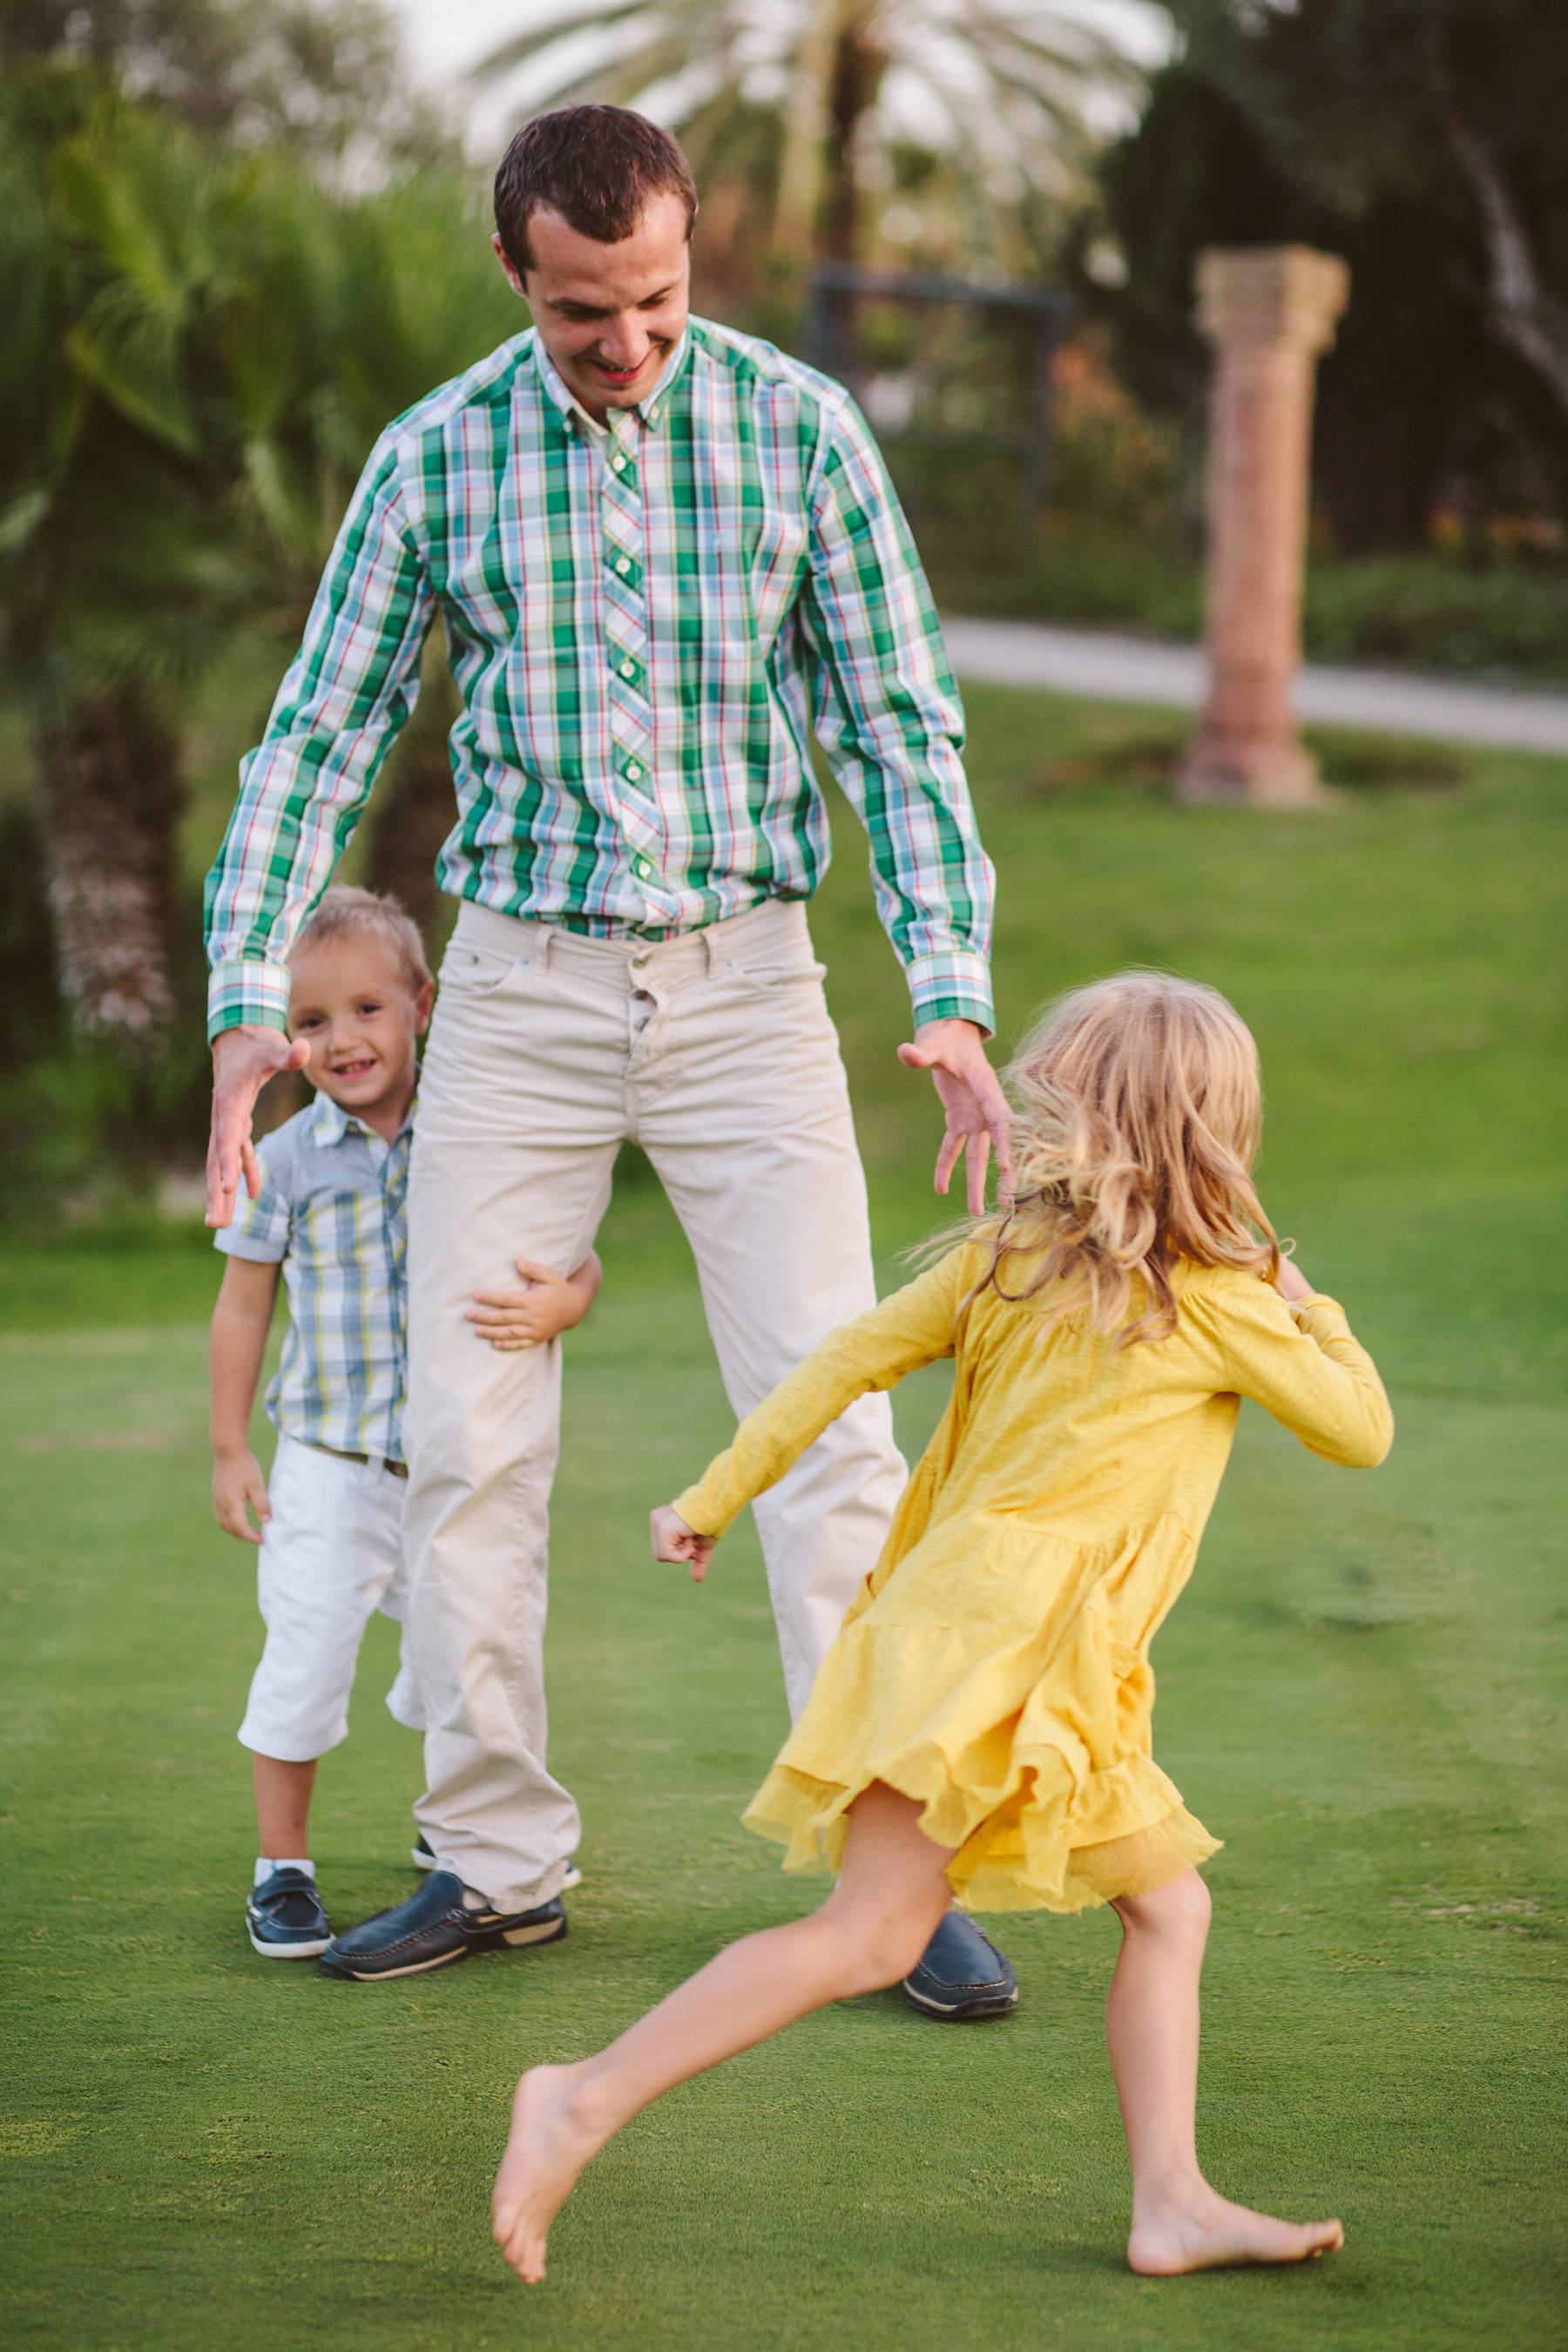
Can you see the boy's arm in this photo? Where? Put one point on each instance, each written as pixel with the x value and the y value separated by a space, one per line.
pixel 241 1320
pixel 547 1304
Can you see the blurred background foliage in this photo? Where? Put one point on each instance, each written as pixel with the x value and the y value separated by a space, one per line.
pixel 236 236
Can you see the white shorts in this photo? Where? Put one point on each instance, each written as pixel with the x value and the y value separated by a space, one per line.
pixel 331 1554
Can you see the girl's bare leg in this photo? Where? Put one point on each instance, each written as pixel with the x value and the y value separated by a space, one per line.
pixel 1179 2222
pixel 870 1932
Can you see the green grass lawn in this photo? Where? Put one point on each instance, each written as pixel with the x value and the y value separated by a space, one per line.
pixel 1363 1692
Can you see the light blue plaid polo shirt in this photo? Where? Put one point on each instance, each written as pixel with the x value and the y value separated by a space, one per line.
pixel 333 1210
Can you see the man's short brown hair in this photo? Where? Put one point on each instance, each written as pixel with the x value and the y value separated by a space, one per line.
pixel 597 166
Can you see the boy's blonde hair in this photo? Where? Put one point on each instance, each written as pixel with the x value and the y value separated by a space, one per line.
pixel 1138 1111
pixel 346 913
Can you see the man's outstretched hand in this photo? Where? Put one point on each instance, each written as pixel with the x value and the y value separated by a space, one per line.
pixel 243 1061
pixel 971 1095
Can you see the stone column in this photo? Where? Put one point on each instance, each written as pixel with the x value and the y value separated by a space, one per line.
pixel 1269 311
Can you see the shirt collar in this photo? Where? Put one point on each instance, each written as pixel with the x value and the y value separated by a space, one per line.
pixel 652 411
pixel 332 1122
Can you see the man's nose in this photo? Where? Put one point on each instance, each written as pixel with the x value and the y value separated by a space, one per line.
pixel 624 345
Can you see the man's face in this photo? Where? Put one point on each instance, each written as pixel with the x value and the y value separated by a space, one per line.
pixel 608 315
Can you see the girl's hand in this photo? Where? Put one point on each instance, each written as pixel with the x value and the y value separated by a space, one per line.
pixel 548 1303
pixel 673 1540
pixel 238 1482
pixel 1291 1283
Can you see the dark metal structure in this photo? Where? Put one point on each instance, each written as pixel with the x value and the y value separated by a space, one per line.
pixel 830 345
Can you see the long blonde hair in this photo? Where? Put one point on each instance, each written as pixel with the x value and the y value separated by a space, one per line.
pixel 1139 1108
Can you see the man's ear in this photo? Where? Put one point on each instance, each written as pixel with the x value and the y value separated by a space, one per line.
pixel 512 274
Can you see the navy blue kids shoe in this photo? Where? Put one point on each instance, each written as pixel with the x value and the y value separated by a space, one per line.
pixel 432 1930
pixel 961 1974
pixel 285 1918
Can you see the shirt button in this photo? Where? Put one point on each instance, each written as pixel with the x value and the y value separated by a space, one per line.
pixel 621 566
pixel 628 669
pixel 619 464
pixel 643 870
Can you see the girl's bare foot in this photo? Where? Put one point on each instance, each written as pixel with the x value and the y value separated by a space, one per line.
pixel 550 2142
pixel 1204 2232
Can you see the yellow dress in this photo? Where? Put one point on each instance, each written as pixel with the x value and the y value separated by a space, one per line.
pixel 994 1664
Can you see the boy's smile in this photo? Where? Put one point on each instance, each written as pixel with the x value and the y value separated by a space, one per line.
pixel 352 1002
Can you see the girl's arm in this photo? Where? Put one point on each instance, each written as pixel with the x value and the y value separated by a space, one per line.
pixel 240 1323
pixel 1297 1357
pixel 914 1326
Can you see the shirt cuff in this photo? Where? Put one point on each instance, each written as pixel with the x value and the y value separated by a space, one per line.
pixel 953 986
pixel 240 994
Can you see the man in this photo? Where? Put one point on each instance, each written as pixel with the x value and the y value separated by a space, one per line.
pixel 662 554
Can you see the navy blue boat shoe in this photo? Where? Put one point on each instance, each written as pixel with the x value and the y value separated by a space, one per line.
pixel 285 1918
pixel 432 1930
pixel 961 1974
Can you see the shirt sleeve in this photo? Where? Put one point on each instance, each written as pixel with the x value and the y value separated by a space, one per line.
pixel 259 1229
pixel 887 715
pixel 914 1326
pixel 348 692
pixel 1300 1361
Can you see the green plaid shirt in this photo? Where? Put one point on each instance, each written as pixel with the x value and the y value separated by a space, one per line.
pixel 644 637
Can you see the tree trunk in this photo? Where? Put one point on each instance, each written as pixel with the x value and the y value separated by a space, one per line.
pixel 805 116
pixel 113 798
pixel 1524 315
pixel 859 65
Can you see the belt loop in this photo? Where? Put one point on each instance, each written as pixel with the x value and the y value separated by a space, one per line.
pixel 713 947
pixel 546 944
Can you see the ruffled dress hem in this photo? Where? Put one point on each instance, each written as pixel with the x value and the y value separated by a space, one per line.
pixel 1014 1852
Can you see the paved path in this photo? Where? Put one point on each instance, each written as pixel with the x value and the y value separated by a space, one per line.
pixel 1113 668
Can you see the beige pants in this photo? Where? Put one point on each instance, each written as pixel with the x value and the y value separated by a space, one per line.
pixel 715 1053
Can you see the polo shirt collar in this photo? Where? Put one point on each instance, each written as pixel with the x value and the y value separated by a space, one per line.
pixel 651 410
pixel 332 1122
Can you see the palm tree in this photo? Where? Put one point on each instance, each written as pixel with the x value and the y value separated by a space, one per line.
pixel 1003 89
pixel 111 591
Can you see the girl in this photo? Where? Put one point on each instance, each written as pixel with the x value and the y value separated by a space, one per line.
pixel 981 1728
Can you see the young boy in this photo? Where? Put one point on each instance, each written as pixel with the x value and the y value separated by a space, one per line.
pixel 331 1212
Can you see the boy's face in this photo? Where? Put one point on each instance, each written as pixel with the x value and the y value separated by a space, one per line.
pixel 351 1000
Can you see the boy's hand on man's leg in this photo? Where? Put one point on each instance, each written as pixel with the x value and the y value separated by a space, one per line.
pixel 239 1489
pixel 547 1304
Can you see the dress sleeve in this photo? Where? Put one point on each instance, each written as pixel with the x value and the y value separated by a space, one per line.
pixel 1300 1361
pixel 914 1326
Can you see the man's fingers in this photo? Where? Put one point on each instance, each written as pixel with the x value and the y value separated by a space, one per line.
pixel 252 1167
pixel 978 1161
pixel 918 1058
pixel 535 1273
pixel 947 1160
